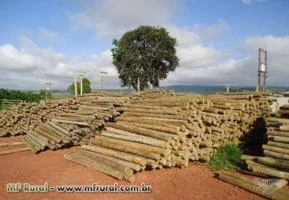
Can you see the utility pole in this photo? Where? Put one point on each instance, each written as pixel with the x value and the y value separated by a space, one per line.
pixel 138 86
pixel 262 70
pixel 227 89
pixel 101 79
pixel 75 84
pixel 47 89
pixel 81 83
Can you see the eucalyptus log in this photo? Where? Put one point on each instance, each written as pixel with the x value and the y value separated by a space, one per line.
pixel 247 184
pixel 96 165
pixel 117 154
pixel 13 150
pixel 276 155
pixel 141 131
pixel 275 163
pixel 263 169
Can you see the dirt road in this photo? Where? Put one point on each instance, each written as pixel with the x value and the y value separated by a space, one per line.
pixel 193 182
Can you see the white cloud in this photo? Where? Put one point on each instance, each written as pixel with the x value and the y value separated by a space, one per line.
pixel 110 18
pixel 47 34
pixel 253 1
pixel 211 31
pixel 30 67
pixel 12 58
pixel 241 71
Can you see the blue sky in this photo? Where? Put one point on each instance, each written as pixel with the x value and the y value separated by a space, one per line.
pixel 217 39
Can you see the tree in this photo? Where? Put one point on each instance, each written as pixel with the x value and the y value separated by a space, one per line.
pixel 144 55
pixel 86 86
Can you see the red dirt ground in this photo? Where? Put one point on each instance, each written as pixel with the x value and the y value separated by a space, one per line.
pixel 193 182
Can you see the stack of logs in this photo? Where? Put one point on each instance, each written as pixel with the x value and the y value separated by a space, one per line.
pixel 27 116
pixel 74 127
pixel 276 151
pixel 164 130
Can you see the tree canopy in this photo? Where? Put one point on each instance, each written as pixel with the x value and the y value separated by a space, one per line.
pixel 146 54
pixel 20 95
pixel 86 87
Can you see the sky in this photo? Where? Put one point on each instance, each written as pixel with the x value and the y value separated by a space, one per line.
pixel 217 40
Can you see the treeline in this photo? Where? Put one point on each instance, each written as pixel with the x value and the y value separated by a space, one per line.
pixel 19 95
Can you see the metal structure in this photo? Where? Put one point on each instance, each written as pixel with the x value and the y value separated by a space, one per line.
pixel 101 79
pixel 262 70
pixel 47 89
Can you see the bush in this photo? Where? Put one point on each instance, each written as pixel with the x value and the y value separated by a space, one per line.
pixel 228 156
pixel 19 95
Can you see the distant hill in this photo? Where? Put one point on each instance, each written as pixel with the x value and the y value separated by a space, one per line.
pixel 197 88
pixel 203 89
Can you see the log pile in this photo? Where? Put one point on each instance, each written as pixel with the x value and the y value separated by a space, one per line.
pixel 26 116
pixel 276 151
pixel 165 130
pixel 75 127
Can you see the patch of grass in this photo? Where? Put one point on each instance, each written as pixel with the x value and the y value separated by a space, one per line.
pixel 228 156
pixel 2 107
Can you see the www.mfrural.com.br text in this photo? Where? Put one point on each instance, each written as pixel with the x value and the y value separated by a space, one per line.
pixel 42 188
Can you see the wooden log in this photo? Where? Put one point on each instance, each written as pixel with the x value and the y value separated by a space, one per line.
pixel 275 149
pixel 30 145
pixel 131 165
pixel 284 127
pixel 279 120
pixel 5 152
pixel 271 133
pixel 141 131
pixel 283 112
pixel 136 138
pixel 278 144
pixel 59 128
pixel 279 139
pixel 153 141
pixel 47 134
pixel 275 163
pixel 276 155
pixel 95 165
pixel 151 122
pixel 38 146
pixel 175 131
pixel 259 168
pixel 165 116
pixel 38 140
pixel 116 154
pixel 247 184
pixel 153 111
pixel 130 147
pixel 52 131
pixel 95 157
pixel 71 122
pixel 8 144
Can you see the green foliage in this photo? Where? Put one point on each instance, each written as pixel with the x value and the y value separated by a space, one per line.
pixel 2 107
pixel 19 95
pixel 86 87
pixel 147 53
pixel 43 94
pixel 228 156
